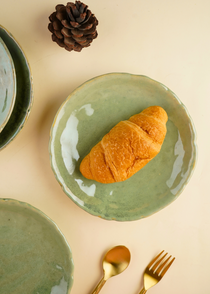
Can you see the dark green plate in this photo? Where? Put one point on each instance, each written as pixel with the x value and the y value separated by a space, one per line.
pixel 24 97
pixel 35 256
pixel 89 113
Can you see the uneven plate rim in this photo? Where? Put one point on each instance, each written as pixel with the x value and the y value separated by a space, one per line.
pixel 58 230
pixel 14 86
pixel 72 196
pixel 30 81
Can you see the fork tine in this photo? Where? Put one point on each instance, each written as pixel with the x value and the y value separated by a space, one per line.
pixel 167 267
pixel 159 269
pixel 153 261
pixel 158 262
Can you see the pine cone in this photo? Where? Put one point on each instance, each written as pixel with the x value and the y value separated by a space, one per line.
pixel 73 26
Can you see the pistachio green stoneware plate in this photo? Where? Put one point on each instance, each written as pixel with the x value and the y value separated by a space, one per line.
pixel 89 113
pixel 7 84
pixel 35 256
pixel 24 94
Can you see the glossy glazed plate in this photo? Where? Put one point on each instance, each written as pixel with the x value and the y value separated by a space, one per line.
pixel 88 114
pixel 24 95
pixel 7 85
pixel 35 256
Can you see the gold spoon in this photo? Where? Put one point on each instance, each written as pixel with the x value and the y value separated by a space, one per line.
pixel 115 262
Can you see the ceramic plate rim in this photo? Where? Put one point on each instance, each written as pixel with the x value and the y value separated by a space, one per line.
pixel 29 83
pixel 67 190
pixel 55 226
pixel 14 86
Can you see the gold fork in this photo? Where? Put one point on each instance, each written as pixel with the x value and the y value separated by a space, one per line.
pixel 155 270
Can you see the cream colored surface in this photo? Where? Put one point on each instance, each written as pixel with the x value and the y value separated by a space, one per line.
pixel 168 41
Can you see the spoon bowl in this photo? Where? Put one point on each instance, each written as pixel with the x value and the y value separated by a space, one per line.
pixel 115 261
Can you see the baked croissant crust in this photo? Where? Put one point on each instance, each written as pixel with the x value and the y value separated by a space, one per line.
pixel 128 147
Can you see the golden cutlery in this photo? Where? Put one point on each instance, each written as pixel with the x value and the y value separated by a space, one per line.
pixel 155 271
pixel 115 261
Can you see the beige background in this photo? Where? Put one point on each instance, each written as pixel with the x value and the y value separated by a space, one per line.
pixel 169 41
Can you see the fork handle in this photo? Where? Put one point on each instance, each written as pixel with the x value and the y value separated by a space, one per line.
pixel 143 291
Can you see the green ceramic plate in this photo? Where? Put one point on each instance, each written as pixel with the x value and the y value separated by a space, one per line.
pixel 24 97
pixel 35 256
pixel 7 85
pixel 88 114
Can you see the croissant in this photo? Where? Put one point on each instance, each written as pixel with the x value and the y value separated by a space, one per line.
pixel 127 148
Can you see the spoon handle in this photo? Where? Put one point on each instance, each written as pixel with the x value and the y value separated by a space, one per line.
pixel 99 286
pixel 143 291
